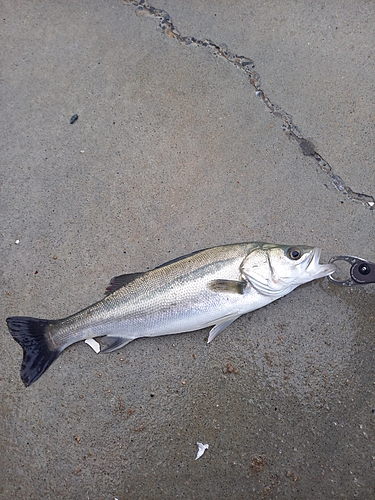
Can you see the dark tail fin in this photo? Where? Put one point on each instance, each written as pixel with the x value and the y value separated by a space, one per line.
pixel 37 355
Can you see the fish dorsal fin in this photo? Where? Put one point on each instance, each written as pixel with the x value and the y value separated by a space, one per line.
pixel 109 344
pixel 228 286
pixel 124 279
pixel 177 259
pixel 120 281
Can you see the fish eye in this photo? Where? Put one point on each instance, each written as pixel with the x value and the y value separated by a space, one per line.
pixel 294 253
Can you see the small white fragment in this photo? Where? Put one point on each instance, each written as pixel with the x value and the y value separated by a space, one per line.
pixel 371 203
pixel 17 242
pixel 82 151
pixel 93 344
pixel 201 449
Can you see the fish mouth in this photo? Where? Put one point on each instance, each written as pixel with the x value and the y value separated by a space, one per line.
pixel 314 268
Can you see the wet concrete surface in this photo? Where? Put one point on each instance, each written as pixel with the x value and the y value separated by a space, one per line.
pixel 175 149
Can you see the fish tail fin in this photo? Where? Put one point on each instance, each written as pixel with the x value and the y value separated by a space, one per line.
pixel 30 333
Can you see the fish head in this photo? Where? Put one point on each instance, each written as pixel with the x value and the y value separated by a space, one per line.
pixel 277 269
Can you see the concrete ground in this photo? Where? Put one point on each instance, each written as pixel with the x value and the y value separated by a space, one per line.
pixel 179 145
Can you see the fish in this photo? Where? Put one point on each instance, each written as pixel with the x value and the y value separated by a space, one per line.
pixel 207 288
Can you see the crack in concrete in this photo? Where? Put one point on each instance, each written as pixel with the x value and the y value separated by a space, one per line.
pixel 247 65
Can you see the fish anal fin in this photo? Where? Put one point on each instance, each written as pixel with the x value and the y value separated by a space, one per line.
pixel 109 344
pixel 227 286
pixel 120 281
pixel 219 327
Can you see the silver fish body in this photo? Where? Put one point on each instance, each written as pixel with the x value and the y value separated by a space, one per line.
pixel 209 288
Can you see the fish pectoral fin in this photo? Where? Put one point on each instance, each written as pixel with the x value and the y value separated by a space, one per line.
pixel 219 327
pixel 228 286
pixel 109 344
pixel 120 281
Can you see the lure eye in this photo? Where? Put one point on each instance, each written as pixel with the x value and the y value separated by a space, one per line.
pixel 294 253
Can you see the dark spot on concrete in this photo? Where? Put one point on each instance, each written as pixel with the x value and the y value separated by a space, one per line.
pixel 307 147
pixel 258 463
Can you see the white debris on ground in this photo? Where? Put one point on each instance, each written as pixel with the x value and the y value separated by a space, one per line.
pixel 201 449
pixel 93 344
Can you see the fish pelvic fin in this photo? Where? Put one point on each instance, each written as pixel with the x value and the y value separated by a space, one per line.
pixel 220 327
pixel 37 354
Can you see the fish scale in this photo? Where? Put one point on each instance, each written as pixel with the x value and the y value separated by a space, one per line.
pixel 170 299
pixel 209 288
